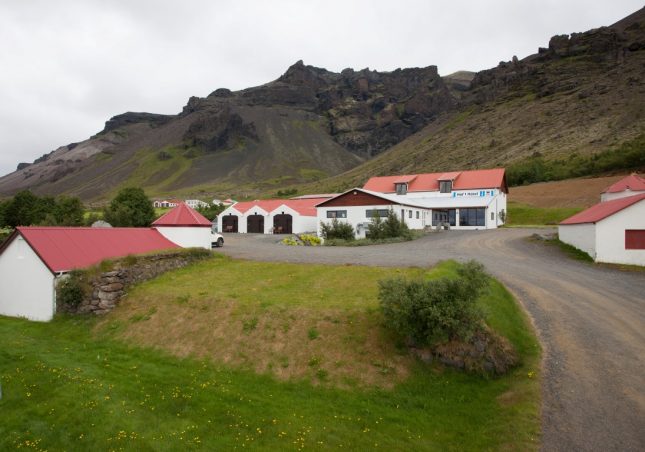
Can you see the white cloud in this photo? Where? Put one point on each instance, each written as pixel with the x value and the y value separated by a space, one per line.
pixel 68 66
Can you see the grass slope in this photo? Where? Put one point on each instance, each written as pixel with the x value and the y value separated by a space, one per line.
pixel 68 385
pixel 526 215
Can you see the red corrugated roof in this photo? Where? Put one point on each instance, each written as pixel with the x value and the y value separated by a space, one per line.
pixel 64 249
pixel 449 176
pixel 632 182
pixel 182 215
pixel 603 210
pixel 305 207
pixel 465 180
pixel 405 179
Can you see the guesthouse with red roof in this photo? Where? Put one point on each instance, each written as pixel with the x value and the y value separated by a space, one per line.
pixel 628 186
pixel 611 231
pixel 457 199
pixel 271 216
pixel 33 259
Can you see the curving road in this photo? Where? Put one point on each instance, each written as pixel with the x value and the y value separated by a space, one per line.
pixel 590 320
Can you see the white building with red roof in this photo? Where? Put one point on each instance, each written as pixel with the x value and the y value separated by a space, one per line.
pixel 628 186
pixel 271 216
pixel 33 259
pixel 186 227
pixel 611 231
pixel 459 199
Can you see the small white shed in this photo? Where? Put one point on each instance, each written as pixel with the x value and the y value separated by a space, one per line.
pixel 611 231
pixel 186 227
pixel 32 260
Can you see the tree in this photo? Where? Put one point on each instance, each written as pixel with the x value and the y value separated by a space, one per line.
pixel 23 210
pixel 69 211
pixel 130 208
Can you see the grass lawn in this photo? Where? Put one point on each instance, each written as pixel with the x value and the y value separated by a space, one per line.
pixel 525 215
pixel 84 383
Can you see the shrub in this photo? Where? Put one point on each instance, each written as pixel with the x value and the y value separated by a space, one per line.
pixel 310 239
pixel 435 311
pixel 70 291
pixel 391 227
pixel 290 241
pixel 337 230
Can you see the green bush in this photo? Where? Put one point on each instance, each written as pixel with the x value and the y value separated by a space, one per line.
pixel 391 227
pixel 337 230
pixel 310 239
pixel 71 291
pixel 437 310
pixel 290 241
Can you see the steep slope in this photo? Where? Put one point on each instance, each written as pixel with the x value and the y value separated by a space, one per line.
pixel 583 94
pixel 308 124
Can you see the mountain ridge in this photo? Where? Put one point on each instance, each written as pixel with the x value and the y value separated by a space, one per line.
pixel 581 94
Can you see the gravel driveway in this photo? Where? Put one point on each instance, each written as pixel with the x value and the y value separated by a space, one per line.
pixel 590 320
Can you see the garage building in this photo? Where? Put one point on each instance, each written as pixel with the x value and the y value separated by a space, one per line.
pixel 271 216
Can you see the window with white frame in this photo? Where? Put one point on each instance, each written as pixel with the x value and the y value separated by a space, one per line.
pixel 336 214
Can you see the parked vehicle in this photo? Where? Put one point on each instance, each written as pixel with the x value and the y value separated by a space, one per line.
pixel 217 241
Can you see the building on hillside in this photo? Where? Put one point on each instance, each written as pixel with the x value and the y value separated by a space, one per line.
pixel 457 200
pixel 611 231
pixel 270 216
pixel 165 204
pixel 196 203
pixel 186 227
pixel 33 259
pixel 628 186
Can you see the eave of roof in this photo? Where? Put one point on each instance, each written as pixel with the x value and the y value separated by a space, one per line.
pixel 603 210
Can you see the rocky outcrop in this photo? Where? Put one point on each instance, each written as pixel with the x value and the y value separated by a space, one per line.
pixel 128 118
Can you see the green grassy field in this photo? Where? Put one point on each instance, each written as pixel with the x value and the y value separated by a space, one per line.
pixel 524 215
pixel 82 383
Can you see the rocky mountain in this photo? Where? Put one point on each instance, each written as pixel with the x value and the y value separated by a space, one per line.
pixel 582 94
pixel 308 124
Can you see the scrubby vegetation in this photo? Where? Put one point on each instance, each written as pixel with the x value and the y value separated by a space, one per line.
pixel 629 156
pixel 71 290
pixel 337 230
pixel 391 227
pixel 431 311
pixel 27 209
pixel 130 208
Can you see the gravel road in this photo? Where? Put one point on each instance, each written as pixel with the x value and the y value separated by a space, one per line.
pixel 590 320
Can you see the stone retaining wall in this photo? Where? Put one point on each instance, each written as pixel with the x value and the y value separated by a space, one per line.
pixel 107 288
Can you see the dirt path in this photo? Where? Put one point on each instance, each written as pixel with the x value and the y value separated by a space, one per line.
pixel 591 322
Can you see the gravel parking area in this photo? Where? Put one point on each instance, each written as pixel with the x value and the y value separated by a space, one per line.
pixel 590 320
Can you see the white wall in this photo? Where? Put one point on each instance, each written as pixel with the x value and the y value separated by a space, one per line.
pixel 241 221
pixel 188 237
pixel 358 215
pixel 610 236
pixel 300 223
pixel 582 236
pixel 26 284
pixel 621 194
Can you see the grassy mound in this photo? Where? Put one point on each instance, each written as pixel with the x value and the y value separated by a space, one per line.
pixel 217 375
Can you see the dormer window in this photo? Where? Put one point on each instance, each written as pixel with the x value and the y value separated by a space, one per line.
pixel 445 186
pixel 401 189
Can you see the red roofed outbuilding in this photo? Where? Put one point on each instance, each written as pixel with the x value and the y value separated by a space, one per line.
pixel 611 231
pixel 186 227
pixel 628 186
pixel 32 258
pixel 272 216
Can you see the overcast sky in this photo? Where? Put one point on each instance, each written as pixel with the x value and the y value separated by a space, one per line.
pixel 68 66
